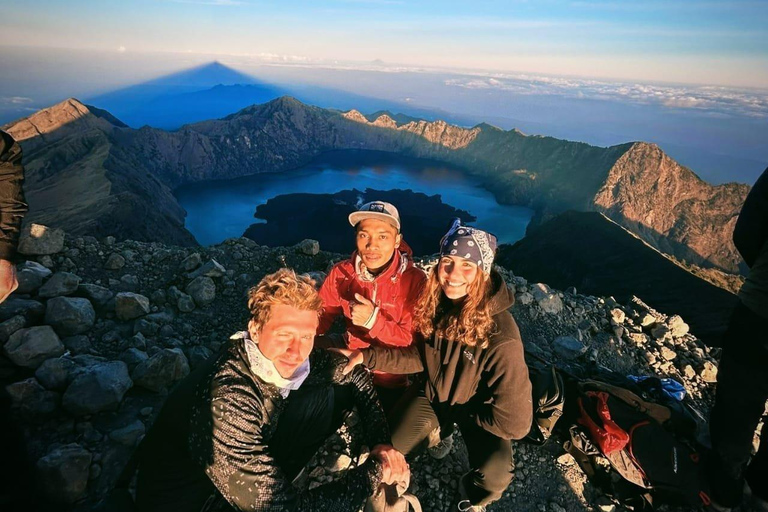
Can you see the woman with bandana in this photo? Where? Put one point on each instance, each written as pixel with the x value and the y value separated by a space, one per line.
pixel 475 374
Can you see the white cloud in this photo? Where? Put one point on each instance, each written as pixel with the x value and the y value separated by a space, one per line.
pixel 121 49
pixel 15 100
pixel 718 100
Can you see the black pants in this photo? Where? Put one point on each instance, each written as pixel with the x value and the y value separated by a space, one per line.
pixel 742 390
pixel 490 457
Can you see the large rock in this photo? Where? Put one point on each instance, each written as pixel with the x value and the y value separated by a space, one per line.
pixel 32 310
pixel 39 240
pixel 128 435
pixel 60 283
pixel 98 295
pixel 191 262
pixel 97 388
pixel 568 347
pixel 63 473
pixel 211 269
pixel 10 326
pixel 548 300
pixel 129 305
pixel 55 373
pixel 677 326
pixel 114 262
pixel 30 347
pixel 70 315
pixel 202 290
pixel 32 400
pixel 161 370
pixel 30 275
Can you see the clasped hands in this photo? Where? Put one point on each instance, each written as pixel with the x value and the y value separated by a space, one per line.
pixel 393 464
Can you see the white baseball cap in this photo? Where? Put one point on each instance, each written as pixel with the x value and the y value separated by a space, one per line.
pixel 380 210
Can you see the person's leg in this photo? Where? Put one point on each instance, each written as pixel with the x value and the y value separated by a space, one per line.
pixel 742 390
pixel 492 465
pixel 757 473
pixel 411 420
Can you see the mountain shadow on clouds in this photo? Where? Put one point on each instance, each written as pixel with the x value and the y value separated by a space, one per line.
pixel 205 92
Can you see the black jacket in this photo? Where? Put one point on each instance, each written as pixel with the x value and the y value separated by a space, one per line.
pixel 751 230
pixel 212 437
pixel 12 205
pixel 491 384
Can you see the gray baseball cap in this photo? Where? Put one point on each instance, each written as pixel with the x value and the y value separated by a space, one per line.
pixel 380 210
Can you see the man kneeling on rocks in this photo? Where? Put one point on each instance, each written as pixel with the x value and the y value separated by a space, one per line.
pixel 236 432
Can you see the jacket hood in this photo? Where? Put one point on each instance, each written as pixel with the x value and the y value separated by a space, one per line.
pixel 502 297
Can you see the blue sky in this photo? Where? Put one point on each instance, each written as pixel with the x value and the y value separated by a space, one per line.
pixel 679 41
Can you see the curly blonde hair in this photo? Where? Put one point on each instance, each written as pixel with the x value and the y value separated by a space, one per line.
pixel 470 322
pixel 283 287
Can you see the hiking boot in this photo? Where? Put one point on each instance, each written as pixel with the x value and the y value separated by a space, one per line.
pixel 439 448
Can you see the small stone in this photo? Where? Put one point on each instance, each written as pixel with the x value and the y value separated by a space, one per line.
pixel 98 295
pixel 689 372
pixel 114 262
pixel 63 473
pixel 660 331
pixel 129 305
pixel 185 303
pixel 55 373
pixel 30 347
pixel 10 326
pixel 146 411
pixel 524 298
pixel 79 344
pixel 647 320
pixel 677 326
pixel 668 353
pixel 133 357
pixel 617 316
pixel 70 315
pixel 708 372
pixel 159 297
pixel 36 239
pixel 566 459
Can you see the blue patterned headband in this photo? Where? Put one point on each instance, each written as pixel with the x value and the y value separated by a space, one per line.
pixel 469 243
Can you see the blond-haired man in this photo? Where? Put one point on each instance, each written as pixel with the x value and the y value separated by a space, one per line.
pixel 235 433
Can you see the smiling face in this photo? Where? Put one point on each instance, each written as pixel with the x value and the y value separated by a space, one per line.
pixel 286 338
pixel 376 242
pixel 455 274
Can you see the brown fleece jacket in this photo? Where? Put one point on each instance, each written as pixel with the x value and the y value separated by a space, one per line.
pixel 490 383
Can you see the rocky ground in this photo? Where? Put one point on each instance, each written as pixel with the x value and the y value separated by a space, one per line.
pixel 99 331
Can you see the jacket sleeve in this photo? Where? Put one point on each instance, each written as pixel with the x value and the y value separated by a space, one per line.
pixel 509 413
pixel 239 463
pixel 398 332
pixel 395 360
pixel 329 294
pixel 751 230
pixel 12 202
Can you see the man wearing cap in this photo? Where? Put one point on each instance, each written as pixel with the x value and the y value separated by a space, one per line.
pixel 375 290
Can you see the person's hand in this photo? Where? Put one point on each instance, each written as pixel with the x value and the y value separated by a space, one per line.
pixel 8 282
pixel 394 467
pixel 361 310
pixel 355 358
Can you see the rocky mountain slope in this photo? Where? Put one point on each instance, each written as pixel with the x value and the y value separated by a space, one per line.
pixel 597 256
pixel 100 330
pixel 89 175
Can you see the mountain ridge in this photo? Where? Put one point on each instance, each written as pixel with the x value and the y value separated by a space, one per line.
pixel 544 173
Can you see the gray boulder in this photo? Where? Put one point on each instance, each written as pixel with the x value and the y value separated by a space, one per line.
pixel 133 357
pixel 198 355
pixel 10 326
pixel 308 247
pixel 79 344
pixel 30 347
pixel 98 295
pixel 70 315
pixel 185 303
pixel 114 262
pixel 191 262
pixel 128 435
pixel 30 275
pixel 97 388
pixel 129 305
pixel 202 290
pixel 568 347
pixel 60 283
pixel 63 473
pixel 36 239
pixel 161 370
pixel 55 373
pixel 548 300
pixel 32 400
pixel 32 310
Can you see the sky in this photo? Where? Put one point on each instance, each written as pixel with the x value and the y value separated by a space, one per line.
pixel 710 42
